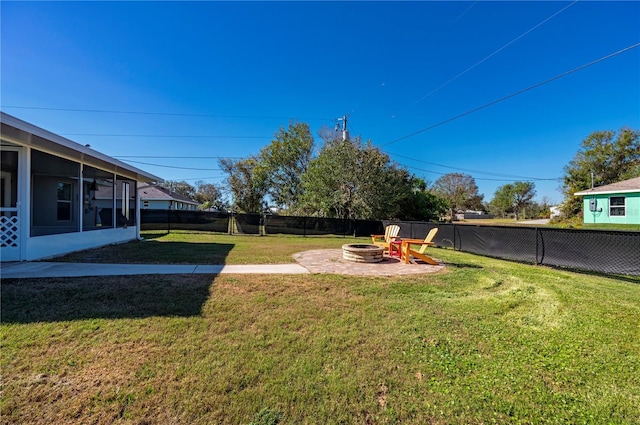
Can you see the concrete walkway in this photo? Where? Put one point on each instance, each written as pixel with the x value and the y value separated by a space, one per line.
pixel 50 269
pixel 313 261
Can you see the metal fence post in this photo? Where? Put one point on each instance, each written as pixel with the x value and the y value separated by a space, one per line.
pixel 454 235
pixel 537 242
pixel 169 220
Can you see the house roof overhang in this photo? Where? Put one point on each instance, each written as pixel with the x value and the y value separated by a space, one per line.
pixel 22 133
pixel 605 192
pixel 142 198
pixel 621 187
pixel 157 193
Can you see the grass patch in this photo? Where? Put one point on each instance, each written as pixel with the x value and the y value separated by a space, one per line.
pixel 573 223
pixel 487 341
pixel 181 247
pixel 604 226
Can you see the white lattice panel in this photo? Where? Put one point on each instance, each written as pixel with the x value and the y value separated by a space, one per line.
pixel 9 231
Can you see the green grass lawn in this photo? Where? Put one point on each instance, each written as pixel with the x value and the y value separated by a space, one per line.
pixel 485 341
pixel 183 247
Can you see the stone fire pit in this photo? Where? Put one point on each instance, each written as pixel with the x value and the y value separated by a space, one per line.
pixel 362 253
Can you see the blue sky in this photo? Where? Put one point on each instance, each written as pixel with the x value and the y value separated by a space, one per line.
pixel 211 79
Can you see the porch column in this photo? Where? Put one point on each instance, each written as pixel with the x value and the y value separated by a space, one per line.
pixel 81 199
pixel 138 219
pixel 114 201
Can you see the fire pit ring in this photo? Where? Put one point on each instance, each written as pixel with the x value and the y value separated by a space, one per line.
pixel 362 253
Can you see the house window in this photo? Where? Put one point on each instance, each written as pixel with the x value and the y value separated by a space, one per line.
pixel 64 201
pixel 616 206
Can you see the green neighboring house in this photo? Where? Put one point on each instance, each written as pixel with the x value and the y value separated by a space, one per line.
pixel 616 203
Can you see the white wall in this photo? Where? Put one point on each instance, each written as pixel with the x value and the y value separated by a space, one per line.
pixel 156 205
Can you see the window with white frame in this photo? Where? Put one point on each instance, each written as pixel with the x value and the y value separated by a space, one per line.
pixel 617 206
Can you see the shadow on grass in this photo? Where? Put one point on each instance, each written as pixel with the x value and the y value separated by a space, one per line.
pixel 154 235
pixel 106 297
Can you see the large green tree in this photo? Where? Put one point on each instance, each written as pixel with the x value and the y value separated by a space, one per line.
pixel 348 179
pixel 611 157
pixel 523 193
pixel 512 197
pixel 246 185
pixel 502 202
pixel 351 179
pixel 331 181
pixel 284 161
pixel 210 196
pixel 419 203
pixel 460 191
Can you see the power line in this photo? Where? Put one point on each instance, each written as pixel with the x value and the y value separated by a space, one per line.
pixel 165 136
pixel 173 166
pixel 463 13
pixel 510 176
pixel 176 157
pixel 505 177
pixel 475 178
pixel 176 114
pixel 490 55
pixel 486 105
pixel 202 178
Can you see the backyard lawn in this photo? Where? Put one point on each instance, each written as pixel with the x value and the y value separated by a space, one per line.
pixel 207 248
pixel 485 341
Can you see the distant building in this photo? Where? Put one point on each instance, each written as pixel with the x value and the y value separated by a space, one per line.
pixel 473 215
pixel 616 203
pixel 154 197
pixel 555 211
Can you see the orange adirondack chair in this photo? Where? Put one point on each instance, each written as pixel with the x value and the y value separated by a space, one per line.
pixel 407 252
pixel 390 234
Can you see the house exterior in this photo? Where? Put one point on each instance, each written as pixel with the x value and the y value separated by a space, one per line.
pixel 154 197
pixel 58 196
pixel 616 203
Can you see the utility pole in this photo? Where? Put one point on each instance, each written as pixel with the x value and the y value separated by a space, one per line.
pixel 345 133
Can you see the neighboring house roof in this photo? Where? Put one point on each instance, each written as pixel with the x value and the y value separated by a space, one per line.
pixel 148 192
pixel 21 132
pixel 624 186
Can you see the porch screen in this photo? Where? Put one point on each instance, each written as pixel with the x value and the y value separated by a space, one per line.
pixel 97 199
pixel 55 194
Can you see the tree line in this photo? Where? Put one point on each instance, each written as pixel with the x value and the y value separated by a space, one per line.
pixel 351 178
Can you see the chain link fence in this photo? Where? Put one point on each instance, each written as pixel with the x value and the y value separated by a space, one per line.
pixel 168 220
pixel 256 224
pixel 601 251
